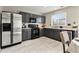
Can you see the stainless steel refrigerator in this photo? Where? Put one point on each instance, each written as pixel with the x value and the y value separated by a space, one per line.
pixel 17 28
pixel 11 28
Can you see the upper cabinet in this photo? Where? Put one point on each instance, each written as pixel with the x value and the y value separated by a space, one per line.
pixel 28 17
pixel 43 19
pixel 25 17
pixel 40 19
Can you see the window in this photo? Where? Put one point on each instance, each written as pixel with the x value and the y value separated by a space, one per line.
pixel 58 19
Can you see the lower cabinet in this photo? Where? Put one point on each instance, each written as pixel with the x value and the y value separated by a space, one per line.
pixel 51 33
pixel 26 34
pixel 41 32
pixel 55 33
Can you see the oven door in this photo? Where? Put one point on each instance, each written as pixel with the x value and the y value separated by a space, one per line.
pixel 35 33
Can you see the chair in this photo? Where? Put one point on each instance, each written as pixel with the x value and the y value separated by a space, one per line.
pixel 65 40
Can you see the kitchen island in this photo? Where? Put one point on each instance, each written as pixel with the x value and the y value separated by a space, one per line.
pixel 54 33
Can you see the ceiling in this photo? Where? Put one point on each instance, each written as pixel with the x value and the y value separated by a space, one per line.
pixel 34 9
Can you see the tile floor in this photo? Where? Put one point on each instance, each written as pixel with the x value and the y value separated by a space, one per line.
pixel 39 45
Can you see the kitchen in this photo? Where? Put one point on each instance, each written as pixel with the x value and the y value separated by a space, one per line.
pixel 36 25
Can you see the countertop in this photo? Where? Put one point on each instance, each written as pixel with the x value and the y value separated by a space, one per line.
pixel 72 29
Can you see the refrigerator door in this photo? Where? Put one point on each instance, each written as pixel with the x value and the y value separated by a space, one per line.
pixel 6 28
pixel 17 28
pixel 6 38
pixel 17 37
pixel 6 17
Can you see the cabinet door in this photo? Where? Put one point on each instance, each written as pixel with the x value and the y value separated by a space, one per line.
pixel 38 20
pixel 26 34
pixel 33 15
pixel 42 19
pixel 23 17
pixel 29 33
pixel 56 34
pixel 41 32
pixel 46 32
pixel 27 17
pixel 52 33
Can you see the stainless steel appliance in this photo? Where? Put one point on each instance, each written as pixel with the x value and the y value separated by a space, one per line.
pixel 6 29
pixel 0 32
pixel 11 29
pixel 34 31
pixel 17 28
pixel 32 20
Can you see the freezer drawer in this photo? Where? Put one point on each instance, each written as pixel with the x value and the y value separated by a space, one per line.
pixel 17 37
pixel 6 38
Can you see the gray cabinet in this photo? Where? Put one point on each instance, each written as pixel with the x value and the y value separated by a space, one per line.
pixel 52 33
pixel 26 34
pixel 55 33
pixel 40 19
pixel 41 32
pixel 43 19
pixel 25 17
pixel 33 15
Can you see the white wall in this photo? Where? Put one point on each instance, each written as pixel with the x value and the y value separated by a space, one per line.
pixel 72 14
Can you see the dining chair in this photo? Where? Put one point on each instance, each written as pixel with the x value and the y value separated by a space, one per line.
pixel 65 40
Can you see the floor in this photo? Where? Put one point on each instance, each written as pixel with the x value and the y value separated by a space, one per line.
pixel 39 45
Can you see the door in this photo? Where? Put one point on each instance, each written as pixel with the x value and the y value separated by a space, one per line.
pixel 6 28
pixel 17 37
pixel 6 17
pixel 17 28
pixel 6 38
pixel 6 34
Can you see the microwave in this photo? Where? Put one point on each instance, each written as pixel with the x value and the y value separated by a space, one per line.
pixel 32 20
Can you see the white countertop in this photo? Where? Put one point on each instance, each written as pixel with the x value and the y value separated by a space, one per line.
pixel 73 29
